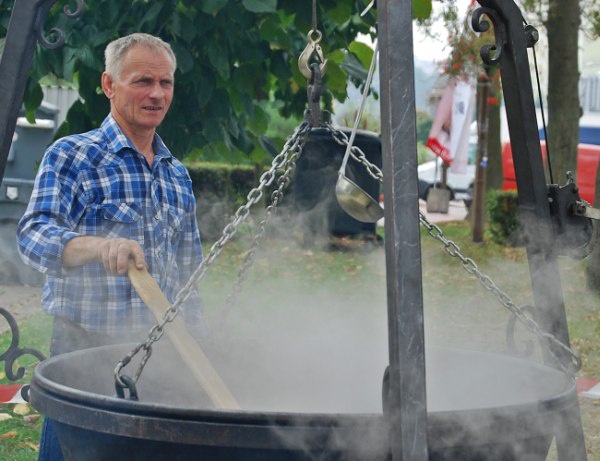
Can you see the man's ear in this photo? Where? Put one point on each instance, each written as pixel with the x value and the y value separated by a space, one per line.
pixel 107 85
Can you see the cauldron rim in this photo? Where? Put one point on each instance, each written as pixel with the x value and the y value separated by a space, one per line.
pixel 149 408
pixel 250 429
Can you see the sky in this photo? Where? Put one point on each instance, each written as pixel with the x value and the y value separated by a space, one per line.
pixel 430 49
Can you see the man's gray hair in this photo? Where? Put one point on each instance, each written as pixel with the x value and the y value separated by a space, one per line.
pixel 115 51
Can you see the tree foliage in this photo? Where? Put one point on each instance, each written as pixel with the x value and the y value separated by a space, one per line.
pixel 235 59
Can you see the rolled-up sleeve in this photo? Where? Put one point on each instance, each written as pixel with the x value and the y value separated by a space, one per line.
pixel 49 221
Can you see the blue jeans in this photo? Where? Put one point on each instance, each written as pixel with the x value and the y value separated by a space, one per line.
pixel 66 337
pixel 49 446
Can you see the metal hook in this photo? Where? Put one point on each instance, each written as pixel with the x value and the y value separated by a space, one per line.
pixel 312 50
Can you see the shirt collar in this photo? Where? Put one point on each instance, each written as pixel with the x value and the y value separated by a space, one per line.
pixel 117 140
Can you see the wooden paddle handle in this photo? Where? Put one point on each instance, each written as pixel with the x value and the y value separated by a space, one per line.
pixel 187 347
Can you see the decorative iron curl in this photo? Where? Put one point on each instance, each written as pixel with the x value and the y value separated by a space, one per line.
pixel 490 54
pixel 14 352
pixel 78 11
pixel 58 35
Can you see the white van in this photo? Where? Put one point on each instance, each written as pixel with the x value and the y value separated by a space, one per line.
pixel 460 185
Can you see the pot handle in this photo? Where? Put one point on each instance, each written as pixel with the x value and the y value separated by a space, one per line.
pixel 187 347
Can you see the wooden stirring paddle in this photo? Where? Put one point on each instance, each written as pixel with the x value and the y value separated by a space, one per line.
pixel 187 347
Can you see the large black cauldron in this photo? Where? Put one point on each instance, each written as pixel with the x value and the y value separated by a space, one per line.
pixel 481 406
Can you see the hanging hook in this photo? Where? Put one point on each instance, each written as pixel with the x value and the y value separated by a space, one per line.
pixel 312 52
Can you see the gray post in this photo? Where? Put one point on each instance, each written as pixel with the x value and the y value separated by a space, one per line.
pixel 407 411
pixel 21 38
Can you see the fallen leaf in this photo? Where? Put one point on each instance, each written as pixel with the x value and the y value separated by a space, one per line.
pixel 31 418
pixel 33 446
pixel 21 409
pixel 8 435
pixel 5 417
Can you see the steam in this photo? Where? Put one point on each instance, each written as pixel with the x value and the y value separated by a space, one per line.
pixel 303 342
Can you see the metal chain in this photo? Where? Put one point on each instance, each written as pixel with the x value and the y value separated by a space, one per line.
pixel 276 197
pixel 471 268
pixel 355 152
pixel 290 152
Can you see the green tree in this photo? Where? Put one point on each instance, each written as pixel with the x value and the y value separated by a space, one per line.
pixel 235 58
pixel 563 20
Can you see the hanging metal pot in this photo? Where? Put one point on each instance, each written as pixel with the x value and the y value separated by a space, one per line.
pixel 481 406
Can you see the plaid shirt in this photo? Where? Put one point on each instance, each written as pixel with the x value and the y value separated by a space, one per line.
pixel 98 184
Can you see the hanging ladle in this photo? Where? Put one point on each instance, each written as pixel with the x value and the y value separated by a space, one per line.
pixel 352 198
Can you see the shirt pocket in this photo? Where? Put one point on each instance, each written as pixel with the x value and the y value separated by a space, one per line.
pixel 175 220
pixel 121 220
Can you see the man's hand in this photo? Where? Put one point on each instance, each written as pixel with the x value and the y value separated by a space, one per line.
pixel 114 254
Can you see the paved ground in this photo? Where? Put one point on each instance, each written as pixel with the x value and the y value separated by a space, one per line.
pixel 457 211
pixel 20 301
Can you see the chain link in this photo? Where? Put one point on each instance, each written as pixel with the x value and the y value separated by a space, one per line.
pixel 356 153
pixel 287 160
pixel 276 197
pixel 471 267
pixel 284 160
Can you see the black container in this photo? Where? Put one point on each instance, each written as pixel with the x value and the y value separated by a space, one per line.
pixel 316 175
pixel 481 407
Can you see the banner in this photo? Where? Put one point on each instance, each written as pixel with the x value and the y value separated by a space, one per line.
pixel 450 131
pixel 463 107
pixel 438 139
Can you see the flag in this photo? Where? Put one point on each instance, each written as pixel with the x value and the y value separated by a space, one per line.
pixel 449 134
pixel 463 107
pixel 439 136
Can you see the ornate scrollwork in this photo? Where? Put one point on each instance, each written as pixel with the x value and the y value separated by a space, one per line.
pixel 491 54
pixel 58 35
pixel 14 352
pixel 78 11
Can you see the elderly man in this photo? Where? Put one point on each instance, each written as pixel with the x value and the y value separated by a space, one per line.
pixel 107 196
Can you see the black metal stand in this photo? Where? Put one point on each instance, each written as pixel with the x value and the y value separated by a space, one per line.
pixel 510 52
pixel 10 355
pixel 407 409
pixel 25 29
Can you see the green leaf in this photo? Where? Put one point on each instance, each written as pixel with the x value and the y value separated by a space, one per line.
pixel 363 52
pixel 354 68
pixel 185 61
pixel 260 6
pixel 259 122
pixel 151 13
pixel 212 6
pixel 182 26
pixel 213 130
pixel 341 13
pixel 336 78
pixel 219 58
pixel 32 99
pixel 421 9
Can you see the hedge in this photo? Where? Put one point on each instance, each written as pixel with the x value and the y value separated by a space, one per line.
pixel 502 207
pixel 220 189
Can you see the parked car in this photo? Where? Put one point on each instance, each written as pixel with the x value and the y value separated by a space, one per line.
pixel 588 158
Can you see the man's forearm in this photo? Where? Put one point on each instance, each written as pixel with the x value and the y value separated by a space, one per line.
pixel 81 250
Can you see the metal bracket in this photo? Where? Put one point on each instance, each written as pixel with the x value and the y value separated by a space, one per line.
pixel 584 209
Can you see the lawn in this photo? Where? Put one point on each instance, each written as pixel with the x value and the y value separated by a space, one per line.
pixel 335 291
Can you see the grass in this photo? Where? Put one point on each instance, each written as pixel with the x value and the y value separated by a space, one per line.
pixel 340 285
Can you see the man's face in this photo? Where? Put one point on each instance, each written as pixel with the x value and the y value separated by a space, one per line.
pixel 142 94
